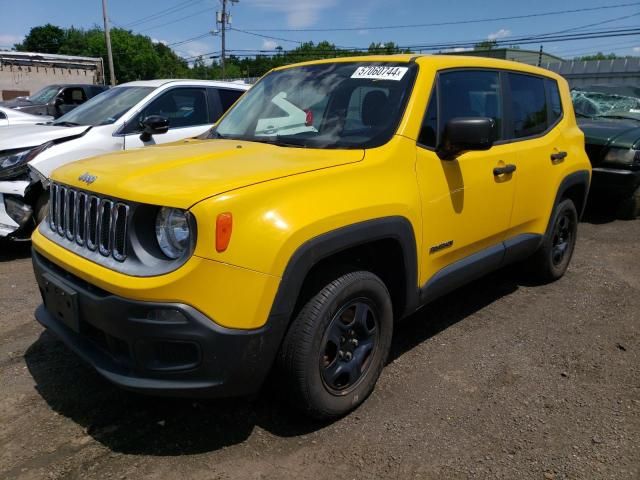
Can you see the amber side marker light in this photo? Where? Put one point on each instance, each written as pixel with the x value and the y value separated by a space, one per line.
pixel 224 226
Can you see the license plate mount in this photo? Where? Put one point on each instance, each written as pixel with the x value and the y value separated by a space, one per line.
pixel 61 301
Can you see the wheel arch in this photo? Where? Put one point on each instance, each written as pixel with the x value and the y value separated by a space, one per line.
pixel 574 187
pixel 372 236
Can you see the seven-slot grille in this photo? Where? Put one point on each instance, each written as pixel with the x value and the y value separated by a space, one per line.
pixel 93 222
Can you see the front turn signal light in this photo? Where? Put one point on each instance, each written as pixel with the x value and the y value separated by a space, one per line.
pixel 224 226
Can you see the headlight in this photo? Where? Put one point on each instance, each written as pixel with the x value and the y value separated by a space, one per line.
pixel 622 156
pixel 173 232
pixel 13 161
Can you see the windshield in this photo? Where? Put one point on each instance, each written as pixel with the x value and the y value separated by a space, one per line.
pixel 105 108
pixel 45 94
pixel 599 104
pixel 335 105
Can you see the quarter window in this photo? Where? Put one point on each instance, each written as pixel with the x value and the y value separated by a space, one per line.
pixel 555 103
pixel 228 97
pixel 528 105
pixel 428 133
pixel 470 93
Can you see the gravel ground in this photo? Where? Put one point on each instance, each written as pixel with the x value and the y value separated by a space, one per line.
pixel 502 379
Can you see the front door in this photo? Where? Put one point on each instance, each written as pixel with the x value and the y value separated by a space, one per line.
pixel 466 202
pixel 186 109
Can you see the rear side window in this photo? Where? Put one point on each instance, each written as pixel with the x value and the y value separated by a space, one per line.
pixel 470 93
pixel 555 104
pixel 528 105
pixel 228 97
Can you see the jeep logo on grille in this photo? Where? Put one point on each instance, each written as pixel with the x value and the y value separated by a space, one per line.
pixel 87 178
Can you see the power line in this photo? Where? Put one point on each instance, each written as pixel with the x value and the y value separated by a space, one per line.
pixel 434 47
pixel 439 24
pixel 161 13
pixel 176 20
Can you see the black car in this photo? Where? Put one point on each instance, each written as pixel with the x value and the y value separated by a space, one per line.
pixel 55 100
pixel 609 116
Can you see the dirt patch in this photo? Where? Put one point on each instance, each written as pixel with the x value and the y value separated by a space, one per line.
pixel 501 379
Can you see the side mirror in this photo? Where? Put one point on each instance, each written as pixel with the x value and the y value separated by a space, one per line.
pixel 58 101
pixel 463 134
pixel 153 125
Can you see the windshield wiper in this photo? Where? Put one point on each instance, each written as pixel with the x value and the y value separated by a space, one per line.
pixel 277 140
pixel 66 124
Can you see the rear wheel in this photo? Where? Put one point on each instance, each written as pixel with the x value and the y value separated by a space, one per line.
pixel 337 346
pixel 552 259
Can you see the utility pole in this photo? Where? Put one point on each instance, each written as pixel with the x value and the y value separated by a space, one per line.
pixel 540 56
pixel 223 19
pixel 107 38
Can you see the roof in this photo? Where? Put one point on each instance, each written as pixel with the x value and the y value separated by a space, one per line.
pixel 205 83
pixel 49 59
pixel 438 62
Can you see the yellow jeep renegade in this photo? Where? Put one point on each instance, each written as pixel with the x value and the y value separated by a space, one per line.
pixel 333 199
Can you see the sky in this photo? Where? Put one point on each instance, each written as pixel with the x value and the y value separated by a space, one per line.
pixel 294 21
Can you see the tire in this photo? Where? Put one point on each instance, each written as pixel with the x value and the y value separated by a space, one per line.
pixel 551 260
pixel 332 357
pixel 629 208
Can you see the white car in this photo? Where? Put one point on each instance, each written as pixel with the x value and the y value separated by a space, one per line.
pixel 128 116
pixel 9 116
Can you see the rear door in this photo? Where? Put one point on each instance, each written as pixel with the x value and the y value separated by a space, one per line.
pixel 540 148
pixel 186 108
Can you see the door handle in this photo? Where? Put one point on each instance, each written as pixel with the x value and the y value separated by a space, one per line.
pixel 508 168
pixel 558 157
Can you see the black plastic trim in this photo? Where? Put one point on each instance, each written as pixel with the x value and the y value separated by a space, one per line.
pixel 581 177
pixel 310 253
pixel 479 264
pixel 229 362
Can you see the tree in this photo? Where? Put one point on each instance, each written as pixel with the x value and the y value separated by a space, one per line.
pixel 486 45
pixel 599 56
pixel 45 39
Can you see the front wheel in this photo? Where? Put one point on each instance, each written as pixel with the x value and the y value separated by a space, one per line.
pixel 552 259
pixel 337 346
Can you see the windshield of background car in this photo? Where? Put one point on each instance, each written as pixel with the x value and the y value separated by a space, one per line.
pixel 331 105
pixel 44 95
pixel 593 104
pixel 106 108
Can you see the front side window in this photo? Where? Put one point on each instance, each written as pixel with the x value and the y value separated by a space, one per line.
pixel 470 93
pixel 106 108
pixel 73 96
pixel 332 105
pixel 183 107
pixel 528 105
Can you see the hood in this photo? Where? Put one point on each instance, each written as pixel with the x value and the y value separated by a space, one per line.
pixel 17 103
pixel 614 132
pixel 24 136
pixel 183 173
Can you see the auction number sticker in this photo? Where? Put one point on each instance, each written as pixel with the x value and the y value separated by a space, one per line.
pixel 379 72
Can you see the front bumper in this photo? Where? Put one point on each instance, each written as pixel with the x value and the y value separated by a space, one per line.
pixel 8 226
pixel 621 183
pixel 191 356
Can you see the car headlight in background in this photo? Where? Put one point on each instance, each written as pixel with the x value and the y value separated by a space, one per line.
pixel 622 156
pixel 13 161
pixel 173 232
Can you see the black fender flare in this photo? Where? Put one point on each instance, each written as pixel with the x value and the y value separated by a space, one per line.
pixel 581 177
pixel 311 252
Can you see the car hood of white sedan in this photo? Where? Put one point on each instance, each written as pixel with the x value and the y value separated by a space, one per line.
pixel 25 136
